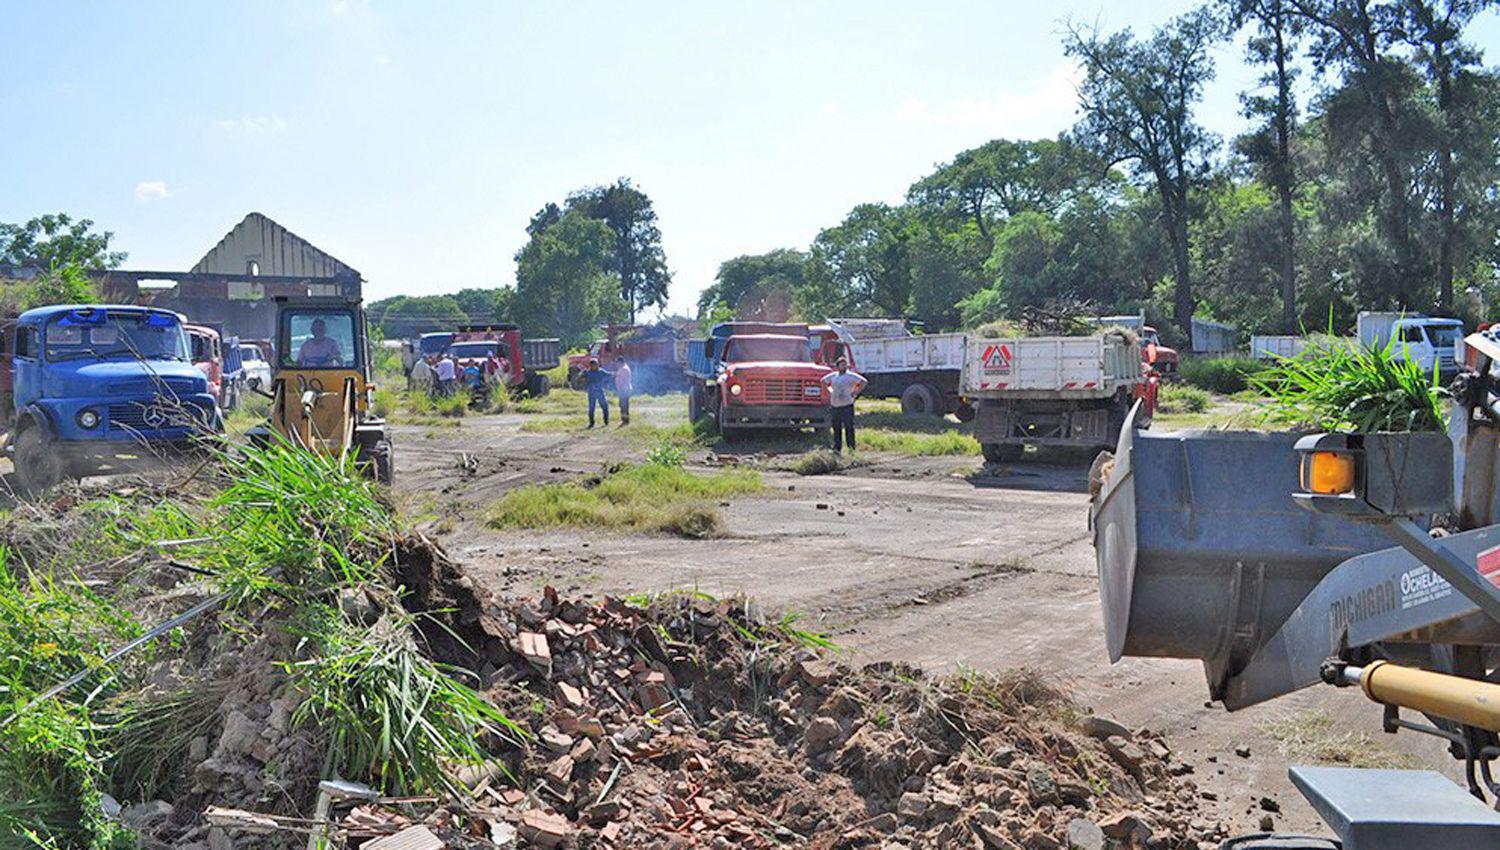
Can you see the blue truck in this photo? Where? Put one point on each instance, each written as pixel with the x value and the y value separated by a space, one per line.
pixel 100 389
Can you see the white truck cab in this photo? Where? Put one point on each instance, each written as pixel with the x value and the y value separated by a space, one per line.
pixel 1425 340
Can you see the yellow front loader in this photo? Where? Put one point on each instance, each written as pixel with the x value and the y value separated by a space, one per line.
pixel 321 385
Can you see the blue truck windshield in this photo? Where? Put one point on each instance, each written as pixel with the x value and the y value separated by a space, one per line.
pixel 149 336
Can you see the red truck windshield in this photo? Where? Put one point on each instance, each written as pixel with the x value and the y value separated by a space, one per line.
pixel 474 350
pixel 764 349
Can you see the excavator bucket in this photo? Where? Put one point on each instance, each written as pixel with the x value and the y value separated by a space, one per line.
pixel 1202 552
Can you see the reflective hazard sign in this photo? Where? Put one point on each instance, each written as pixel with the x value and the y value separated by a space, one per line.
pixel 995 359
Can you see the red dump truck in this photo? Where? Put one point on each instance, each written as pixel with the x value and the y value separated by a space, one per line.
pixel 757 375
pixel 520 361
pixel 656 354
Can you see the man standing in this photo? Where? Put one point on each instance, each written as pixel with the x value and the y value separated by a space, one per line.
pixel 447 374
pixel 843 387
pixel 421 376
pixel 624 388
pixel 594 381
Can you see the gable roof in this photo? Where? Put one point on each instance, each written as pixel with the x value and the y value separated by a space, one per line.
pixel 275 250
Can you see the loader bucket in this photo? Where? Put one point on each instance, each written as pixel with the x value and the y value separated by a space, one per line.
pixel 1202 552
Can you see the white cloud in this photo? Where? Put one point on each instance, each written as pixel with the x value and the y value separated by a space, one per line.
pixel 254 125
pixel 1029 110
pixel 382 59
pixel 147 191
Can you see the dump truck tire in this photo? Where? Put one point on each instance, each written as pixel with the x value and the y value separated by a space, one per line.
pixel 695 403
pixel 1002 452
pixel 922 400
pixel 964 410
pixel 538 385
pixel 38 466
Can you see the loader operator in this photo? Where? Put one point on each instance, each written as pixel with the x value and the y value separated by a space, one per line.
pixel 843 387
pixel 320 349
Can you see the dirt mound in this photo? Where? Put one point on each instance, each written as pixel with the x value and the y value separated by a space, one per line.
pixel 689 721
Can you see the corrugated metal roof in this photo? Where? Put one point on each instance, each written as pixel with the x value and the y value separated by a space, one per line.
pixel 273 249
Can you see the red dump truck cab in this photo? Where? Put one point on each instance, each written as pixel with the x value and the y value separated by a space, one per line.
pixel 208 356
pixel 758 381
pixel 1156 355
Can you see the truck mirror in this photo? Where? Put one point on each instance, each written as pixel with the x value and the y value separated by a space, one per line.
pixel 1376 476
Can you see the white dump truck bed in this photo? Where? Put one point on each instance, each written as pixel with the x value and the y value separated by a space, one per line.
pixel 1049 366
pixel 909 353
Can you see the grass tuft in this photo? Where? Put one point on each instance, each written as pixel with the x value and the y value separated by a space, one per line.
pixel 1180 398
pixel 1313 735
pixel 649 497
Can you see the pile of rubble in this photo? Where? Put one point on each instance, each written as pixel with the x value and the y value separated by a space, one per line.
pixel 686 721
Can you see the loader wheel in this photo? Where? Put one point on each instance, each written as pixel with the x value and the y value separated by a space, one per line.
pixel 38 465
pixel 1002 452
pixel 383 462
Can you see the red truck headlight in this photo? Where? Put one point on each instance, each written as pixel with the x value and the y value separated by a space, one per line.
pixel 736 388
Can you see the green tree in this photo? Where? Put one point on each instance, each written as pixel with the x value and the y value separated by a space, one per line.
pixel 1003 178
pixel 637 258
pixel 57 239
pixel 756 286
pixel 1375 131
pixel 563 279
pixel 1137 99
pixel 1273 43
pixel 861 266
pixel 405 316
pixel 1464 98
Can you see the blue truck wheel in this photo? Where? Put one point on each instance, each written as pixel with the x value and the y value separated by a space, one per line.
pixel 38 466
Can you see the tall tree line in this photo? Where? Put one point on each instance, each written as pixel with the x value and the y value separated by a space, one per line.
pixel 1381 191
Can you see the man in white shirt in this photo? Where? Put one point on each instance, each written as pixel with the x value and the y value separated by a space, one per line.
pixel 843 387
pixel 447 374
pixel 624 388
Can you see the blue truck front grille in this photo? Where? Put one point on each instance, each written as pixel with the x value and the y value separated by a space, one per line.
pixel 148 417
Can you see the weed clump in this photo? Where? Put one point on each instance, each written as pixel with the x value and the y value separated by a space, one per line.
pixel 1223 375
pixel 1177 398
pixel 818 463
pixel 648 497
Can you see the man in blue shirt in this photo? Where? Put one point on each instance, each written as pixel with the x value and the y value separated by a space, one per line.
pixel 594 381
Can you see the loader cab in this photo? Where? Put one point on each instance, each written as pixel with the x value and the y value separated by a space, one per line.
pixel 321 388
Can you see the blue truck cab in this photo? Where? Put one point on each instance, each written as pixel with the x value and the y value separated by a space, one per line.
pixel 96 389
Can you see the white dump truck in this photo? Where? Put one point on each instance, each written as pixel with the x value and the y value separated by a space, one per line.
pixel 1425 340
pixel 919 369
pixel 1054 391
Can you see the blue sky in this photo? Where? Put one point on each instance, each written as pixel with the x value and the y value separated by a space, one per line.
pixel 414 140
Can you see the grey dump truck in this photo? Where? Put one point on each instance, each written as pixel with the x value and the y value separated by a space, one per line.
pixel 1364 561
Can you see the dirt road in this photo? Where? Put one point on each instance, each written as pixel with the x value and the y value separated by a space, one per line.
pixel 913 559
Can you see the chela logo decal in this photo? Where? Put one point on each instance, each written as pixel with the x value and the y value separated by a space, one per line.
pixel 996 359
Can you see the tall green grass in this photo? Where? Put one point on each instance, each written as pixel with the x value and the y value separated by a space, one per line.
pixel 51 778
pixel 394 717
pixel 1356 388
